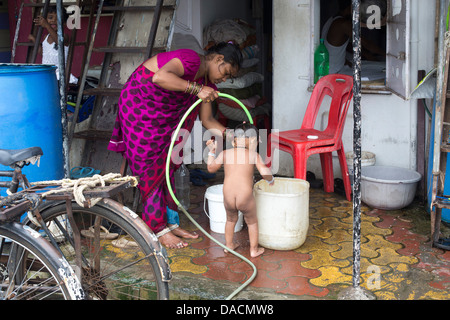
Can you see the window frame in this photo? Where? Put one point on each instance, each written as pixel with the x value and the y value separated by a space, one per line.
pixel 397 51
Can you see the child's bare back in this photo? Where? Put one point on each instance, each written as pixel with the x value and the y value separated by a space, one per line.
pixel 239 163
pixel 239 166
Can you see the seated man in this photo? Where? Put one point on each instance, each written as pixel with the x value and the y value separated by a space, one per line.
pixel 337 33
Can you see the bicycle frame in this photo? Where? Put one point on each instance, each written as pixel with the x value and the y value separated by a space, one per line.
pixel 19 179
pixel 8 224
pixel 64 200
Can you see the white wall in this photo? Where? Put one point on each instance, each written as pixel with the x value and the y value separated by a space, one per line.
pixel 188 18
pixel 388 121
pixel 291 48
pixel 194 15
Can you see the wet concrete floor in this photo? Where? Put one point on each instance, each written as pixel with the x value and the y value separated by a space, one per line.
pixel 397 260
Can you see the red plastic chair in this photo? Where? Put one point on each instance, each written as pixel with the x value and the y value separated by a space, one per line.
pixel 303 142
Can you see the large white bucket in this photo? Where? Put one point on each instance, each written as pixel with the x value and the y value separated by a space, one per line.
pixel 217 214
pixel 283 213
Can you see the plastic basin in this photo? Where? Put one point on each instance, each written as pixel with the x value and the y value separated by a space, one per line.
pixel 387 187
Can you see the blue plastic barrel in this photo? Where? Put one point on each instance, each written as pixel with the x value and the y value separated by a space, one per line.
pixel 30 116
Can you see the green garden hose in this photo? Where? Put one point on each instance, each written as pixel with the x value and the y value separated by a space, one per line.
pixel 174 137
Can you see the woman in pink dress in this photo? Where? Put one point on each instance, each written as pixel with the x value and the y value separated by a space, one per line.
pixel 151 105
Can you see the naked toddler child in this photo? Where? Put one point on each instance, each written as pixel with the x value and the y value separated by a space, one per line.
pixel 239 163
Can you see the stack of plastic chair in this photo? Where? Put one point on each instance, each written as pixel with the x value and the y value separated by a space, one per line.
pixel 303 142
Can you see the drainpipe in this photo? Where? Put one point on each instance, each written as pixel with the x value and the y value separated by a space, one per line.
pixel 62 86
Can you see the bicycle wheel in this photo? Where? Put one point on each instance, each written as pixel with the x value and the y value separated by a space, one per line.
pixel 123 264
pixel 32 269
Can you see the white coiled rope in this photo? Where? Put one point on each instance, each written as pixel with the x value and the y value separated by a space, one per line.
pixel 77 186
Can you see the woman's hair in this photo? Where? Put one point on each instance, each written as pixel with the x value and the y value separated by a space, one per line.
pixel 245 130
pixel 231 52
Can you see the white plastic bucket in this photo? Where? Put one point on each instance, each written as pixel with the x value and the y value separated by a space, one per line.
pixel 367 159
pixel 283 213
pixel 217 214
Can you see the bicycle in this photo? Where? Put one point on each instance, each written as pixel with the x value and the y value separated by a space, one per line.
pixel 30 267
pixel 111 249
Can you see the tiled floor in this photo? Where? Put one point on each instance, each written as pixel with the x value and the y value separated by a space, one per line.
pixel 397 261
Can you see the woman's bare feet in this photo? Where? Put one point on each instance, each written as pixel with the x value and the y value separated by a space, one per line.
pixel 184 233
pixel 232 247
pixel 171 241
pixel 256 252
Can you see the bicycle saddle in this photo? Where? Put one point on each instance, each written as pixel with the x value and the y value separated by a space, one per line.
pixel 9 157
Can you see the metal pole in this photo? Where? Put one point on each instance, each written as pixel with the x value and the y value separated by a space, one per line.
pixel 356 142
pixel 439 95
pixel 16 34
pixel 39 33
pixel 439 84
pixel 82 81
pixel 439 101
pixel 62 85
pixel 355 292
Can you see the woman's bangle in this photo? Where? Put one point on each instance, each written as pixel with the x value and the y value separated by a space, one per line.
pixel 201 88
pixel 198 88
pixel 211 154
pixel 271 181
pixel 193 88
pixel 190 87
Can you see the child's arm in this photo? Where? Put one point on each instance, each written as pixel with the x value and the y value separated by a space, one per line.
pixel 265 172
pixel 214 163
pixel 32 38
pixel 40 21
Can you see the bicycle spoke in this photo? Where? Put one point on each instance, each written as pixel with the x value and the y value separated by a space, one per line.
pixel 109 270
pixel 26 277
